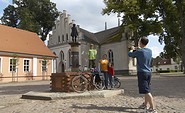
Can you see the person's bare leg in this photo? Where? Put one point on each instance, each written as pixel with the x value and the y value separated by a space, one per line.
pixel 149 99
pixel 145 102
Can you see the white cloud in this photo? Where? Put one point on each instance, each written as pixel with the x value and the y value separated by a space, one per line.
pixel 155 46
pixel 155 51
pixel 87 14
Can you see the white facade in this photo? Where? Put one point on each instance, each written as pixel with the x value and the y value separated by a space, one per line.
pixel 168 67
pixel 120 53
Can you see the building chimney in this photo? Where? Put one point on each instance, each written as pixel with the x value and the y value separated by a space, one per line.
pixel 105 25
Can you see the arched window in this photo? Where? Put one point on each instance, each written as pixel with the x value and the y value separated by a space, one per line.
pixel 111 56
pixel 61 55
pixel 70 57
pixel 55 64
pixel 58 38
pixel 62 38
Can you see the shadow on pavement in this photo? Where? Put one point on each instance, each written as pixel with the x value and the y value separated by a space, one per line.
pixel 168 86
pixel 106 108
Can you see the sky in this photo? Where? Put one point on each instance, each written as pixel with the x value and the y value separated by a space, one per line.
pixel 88 15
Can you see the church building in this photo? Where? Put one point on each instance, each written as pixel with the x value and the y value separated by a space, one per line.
pixel 113 42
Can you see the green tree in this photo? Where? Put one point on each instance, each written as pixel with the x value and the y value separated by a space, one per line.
pixel 165 18
pixel 138 15
pixel 173 16
pixel 34 15
pixel 10 17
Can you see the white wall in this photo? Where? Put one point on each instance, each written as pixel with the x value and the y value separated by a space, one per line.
pixel 65 48
pixel 120 54
pixel 165 67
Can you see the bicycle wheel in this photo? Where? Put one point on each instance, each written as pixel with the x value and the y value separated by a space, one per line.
pixel 98 83
pixel 117 83
pixel 79 84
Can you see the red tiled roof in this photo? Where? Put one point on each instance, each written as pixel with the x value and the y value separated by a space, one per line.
pixel 15 40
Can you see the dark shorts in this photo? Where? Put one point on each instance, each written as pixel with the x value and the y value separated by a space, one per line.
pixel 144 79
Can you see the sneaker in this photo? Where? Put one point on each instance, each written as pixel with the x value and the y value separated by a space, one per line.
pixel 143 106
pixel 150 110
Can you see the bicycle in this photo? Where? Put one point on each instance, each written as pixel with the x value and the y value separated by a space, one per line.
pixel 81 82
pixel 117 82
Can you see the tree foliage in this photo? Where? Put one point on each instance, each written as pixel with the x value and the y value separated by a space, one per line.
pixel 10 17
pixel 33 15
pixel 138 15
pixel 165 18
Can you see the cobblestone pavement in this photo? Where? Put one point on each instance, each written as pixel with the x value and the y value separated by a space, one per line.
pixel 168 92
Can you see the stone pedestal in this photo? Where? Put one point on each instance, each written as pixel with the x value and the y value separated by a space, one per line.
pixel 75 56
pixel 61 82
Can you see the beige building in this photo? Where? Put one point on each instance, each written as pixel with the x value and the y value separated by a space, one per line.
pixel 166 65
pixel 108 42
pixel 23 56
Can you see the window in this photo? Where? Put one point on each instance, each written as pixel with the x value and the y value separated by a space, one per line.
pixel 111 56
pixel 58 38
pixel 176 67
pixel 62 37
pixel 44 65
pixel 70 57
pixel 13 63
pixel 62 55
pixel 26 65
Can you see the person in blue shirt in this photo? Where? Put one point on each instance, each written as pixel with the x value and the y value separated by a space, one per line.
pixel 144 58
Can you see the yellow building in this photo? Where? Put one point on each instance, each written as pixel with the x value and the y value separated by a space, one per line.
pixel 23 56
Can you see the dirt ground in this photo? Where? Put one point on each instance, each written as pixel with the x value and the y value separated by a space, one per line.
pixel 168 92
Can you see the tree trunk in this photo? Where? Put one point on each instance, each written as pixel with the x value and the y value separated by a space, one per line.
pixel 182 24
pixel 183 52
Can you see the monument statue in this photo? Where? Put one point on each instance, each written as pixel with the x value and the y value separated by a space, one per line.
pixel 74 33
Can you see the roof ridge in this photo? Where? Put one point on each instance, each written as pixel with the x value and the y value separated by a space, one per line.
pixel 17 29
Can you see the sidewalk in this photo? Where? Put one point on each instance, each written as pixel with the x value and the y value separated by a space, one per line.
pixel 62 95
pixel 172 74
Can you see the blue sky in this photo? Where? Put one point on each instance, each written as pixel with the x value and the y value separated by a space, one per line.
pixel 88 16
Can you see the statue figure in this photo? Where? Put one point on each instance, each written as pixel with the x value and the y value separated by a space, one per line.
pixel 74 33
